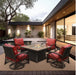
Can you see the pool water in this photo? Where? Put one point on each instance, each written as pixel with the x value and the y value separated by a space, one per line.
pixel 12 42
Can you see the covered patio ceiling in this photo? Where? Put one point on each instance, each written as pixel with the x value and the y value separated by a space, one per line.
pixel 66 7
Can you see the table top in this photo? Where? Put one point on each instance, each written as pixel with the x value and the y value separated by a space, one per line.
pixel 36 47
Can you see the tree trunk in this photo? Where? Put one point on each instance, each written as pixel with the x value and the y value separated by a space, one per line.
pixel 6 28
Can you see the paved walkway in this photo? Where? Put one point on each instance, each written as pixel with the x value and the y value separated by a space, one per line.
pixel 1 50
pixel 30 39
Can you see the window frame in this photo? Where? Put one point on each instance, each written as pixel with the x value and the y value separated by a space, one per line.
pixel 64 28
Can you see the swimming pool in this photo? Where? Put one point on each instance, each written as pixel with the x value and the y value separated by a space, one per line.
pixel 12 42
pixel 27 41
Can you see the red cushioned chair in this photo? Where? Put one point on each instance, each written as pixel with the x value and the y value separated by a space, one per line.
pixel 52 43
pixel 60 56
pixel 13 55
pixel 19 42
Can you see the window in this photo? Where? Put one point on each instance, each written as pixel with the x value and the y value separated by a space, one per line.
pixel 73 29
pixel 60 30
pixel 70 26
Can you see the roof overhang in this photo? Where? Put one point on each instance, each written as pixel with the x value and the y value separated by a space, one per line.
pixel 59 7
pixel 57 13
pixel 25 23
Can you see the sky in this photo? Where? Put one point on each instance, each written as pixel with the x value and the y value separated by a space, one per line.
pixel 40 10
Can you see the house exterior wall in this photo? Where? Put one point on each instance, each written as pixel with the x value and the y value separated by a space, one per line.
pixel 52 30
pixel 23 28
pixel 36 30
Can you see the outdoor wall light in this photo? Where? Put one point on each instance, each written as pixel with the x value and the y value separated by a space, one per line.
pixel 44 28
pixel 18 32
pixel 9 31
pixel 28 27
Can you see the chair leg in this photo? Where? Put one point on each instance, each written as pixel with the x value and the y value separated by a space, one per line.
pixel 28 61
pixel 5 61
pixel 68 60
pixel 15 66
pixel 47 58
pixel 58 64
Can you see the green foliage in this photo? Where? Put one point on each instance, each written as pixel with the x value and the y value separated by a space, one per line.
pixel 27 33
pixel 9 8
pixel 20 18
pixel 41 34
pixel 14 35
pixel 60 32
pixel 32 27
pixel 2 25
pixel 14 27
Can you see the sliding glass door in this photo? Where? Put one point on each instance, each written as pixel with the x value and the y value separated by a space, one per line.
pixel 70 26
pixel 66 29
pixel 60 30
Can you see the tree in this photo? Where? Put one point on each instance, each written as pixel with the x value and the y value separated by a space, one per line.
pixel 20 18
pixel 36 20
pixel 8 8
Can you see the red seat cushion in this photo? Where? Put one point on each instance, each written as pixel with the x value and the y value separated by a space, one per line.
pixel 21 57
pixel 51 42
pixel 55 56
pixel 19 41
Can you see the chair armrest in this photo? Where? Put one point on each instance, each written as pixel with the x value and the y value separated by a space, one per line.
pixel 55 53
pixel 54 50
pixel 25 52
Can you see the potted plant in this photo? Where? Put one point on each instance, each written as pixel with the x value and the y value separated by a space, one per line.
pixel 41 34
pixel 58 33
pixel 14 35
pixel 27 33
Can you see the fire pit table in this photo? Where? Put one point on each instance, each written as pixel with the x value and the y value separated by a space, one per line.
pixel 36 51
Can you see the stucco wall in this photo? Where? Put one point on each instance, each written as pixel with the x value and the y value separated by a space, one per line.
pixel 23 28
pixel 36 30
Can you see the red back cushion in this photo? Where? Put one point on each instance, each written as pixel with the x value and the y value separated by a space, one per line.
pixel 51 42
pixel 19 41
pixel 13 47
pixel 63 48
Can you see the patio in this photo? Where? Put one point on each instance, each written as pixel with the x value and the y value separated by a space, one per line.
pixel 33 66
pixel 40 66
pixel 56 38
